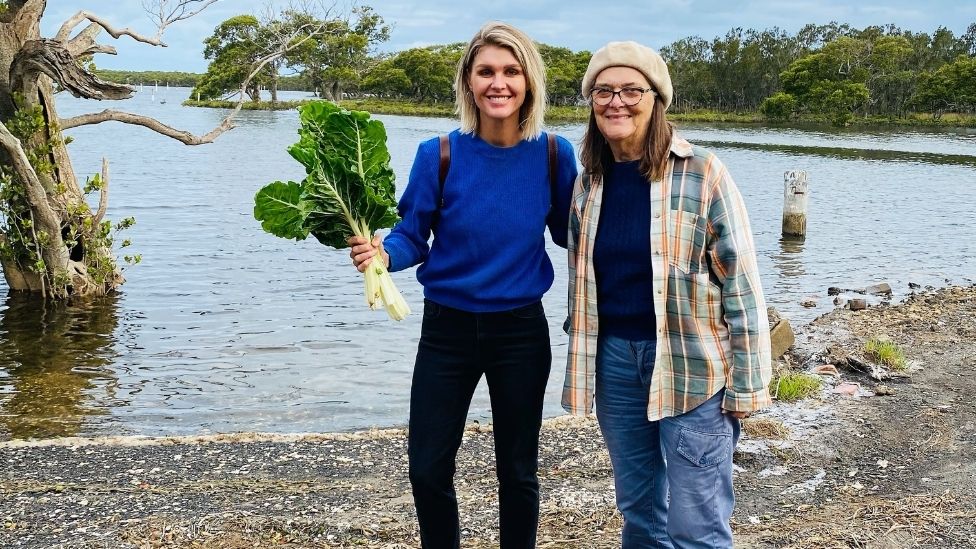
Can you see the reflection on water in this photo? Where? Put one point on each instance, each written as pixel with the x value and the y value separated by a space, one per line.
pixel 55 363
pixel 789 261
pixel 225 328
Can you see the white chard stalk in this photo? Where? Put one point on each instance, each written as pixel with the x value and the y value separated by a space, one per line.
pixel 382 292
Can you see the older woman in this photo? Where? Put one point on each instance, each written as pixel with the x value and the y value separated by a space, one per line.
pixel 667 320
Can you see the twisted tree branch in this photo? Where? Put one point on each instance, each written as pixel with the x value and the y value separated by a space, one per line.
pixel 110 115
pixel 70 24
pixel 83 40
pixel 46 219
pixel 53 59
pixel 183 136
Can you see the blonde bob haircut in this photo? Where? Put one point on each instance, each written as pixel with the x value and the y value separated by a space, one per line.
pixel 503 35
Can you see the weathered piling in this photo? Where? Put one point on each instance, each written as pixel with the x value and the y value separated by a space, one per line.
pixel 795 196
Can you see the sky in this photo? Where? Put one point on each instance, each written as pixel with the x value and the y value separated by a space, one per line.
pixel 575 24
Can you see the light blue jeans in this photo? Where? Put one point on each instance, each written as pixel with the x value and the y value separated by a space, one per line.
pixel 673 477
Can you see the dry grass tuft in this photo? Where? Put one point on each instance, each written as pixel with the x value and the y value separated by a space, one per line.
pixel 765 428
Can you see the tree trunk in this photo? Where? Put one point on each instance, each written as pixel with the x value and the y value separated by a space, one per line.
pixel 52 241
pixel 254 92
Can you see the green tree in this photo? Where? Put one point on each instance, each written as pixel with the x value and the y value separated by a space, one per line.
pixel 951 88
pixel 339 59
pixel 430 71
pixel 689 63
pixel 778 107
pixel 387 80
pixel 564 73
pixel 51 241
pixel 232 49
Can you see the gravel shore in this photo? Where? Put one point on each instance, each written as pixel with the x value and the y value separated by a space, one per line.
pixel 892 465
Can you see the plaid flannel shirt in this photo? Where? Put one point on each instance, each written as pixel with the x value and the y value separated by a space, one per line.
pixel 713 331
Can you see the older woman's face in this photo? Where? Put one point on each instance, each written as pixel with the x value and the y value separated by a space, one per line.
pixel 624 127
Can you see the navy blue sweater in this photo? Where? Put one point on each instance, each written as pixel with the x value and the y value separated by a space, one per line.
pixel 488 253
pixel 622 255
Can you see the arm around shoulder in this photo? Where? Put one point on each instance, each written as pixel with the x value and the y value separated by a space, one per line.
pixel 566 173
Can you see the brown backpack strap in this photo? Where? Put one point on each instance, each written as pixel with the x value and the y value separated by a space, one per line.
pixel 445 142
pixel 445 165
pixel 553 160
pixel 553 167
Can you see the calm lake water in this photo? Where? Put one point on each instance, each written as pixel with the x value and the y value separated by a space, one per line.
pixel 225 328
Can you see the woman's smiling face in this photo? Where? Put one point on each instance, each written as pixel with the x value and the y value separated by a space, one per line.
pixel 497 82
pixel 624 127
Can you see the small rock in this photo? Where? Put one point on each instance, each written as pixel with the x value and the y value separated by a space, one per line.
pixel 847 389
pixel 840 301
pixel 833 290
pixel 781 337
pixel 878 289
pixel 883 390
pixel 857 304
pixel 826 370
pixel 914 286
pixel 809 303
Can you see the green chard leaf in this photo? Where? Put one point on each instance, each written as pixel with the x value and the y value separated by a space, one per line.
pixel 280 209
pixel 349 188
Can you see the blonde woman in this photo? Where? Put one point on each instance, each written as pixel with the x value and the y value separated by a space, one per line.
pixel 483 276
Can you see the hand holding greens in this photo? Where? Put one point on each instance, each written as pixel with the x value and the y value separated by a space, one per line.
pixel 348 191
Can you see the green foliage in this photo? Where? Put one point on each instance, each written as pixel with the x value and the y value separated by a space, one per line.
pixel 424 74
pixel 338 59
pixel 232 49
pixel 22 243
pixel 793 386
pixel 249 106
pixel 886 352
pixel 564 73
pixel 778 107
pixel 950 88
pixel 349 187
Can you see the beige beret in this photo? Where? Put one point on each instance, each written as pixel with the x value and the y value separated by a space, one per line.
pixel 633 55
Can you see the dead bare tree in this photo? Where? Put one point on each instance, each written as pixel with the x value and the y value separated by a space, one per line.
pixel 51 242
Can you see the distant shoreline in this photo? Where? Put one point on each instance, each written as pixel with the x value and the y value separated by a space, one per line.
pixel 579 113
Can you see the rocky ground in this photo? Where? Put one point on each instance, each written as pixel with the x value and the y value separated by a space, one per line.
pixel 889 466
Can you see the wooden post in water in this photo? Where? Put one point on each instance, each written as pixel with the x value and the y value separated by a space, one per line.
pixel 795 197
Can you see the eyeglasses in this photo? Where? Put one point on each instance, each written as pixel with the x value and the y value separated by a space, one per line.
pixel 628 96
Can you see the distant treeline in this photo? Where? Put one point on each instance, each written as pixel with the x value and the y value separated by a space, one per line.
pixel 831 72
pixel 183 79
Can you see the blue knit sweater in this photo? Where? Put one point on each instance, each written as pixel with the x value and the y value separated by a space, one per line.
pixel 622 255
pixel 488 253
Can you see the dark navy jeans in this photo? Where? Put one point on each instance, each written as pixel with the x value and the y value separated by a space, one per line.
pixel 673 477
pixel 511 349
